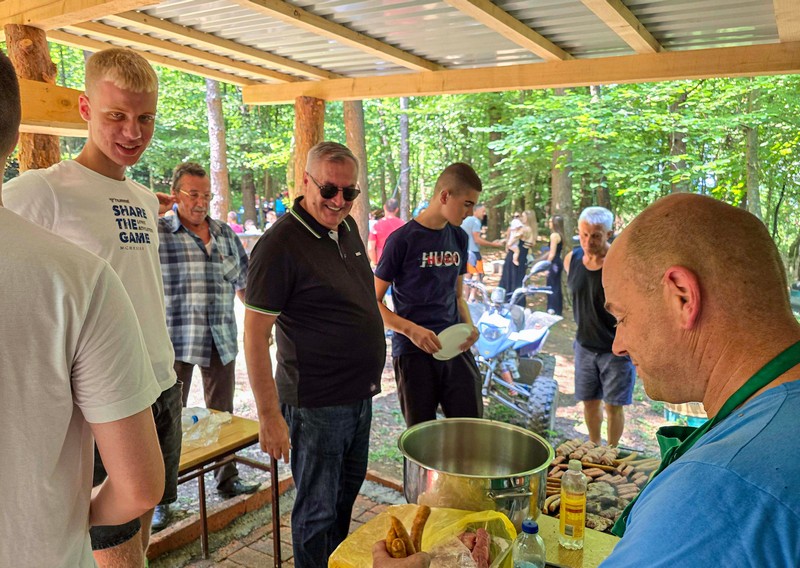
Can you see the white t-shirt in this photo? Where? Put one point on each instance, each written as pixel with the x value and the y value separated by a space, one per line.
pixel 116 220
pixel 71 352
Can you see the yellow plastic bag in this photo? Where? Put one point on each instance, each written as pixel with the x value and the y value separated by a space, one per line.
pixel 356 550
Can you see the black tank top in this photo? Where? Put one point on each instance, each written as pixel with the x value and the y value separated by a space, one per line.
pixel 595 325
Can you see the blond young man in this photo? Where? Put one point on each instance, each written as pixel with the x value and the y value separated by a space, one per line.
pixel 92 203
pixel 425 261
pixel 73 367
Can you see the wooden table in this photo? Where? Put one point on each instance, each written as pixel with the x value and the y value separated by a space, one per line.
pixel 596 546
pixel 236 435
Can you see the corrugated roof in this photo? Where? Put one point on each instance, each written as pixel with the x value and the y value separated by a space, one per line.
pixel 441 34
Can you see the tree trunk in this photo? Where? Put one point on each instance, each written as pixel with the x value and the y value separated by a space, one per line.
pixel 249 196
pixel 602 196
pixel 561 186
pixel 389 167
pixel 219 152
pixel 405 204
pixel 751 158
pixel 30 54
pixel 354 131
pixel 677 148
pixel 309 128
pixel 494 211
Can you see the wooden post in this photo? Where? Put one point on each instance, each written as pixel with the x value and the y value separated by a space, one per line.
pixel 354 131
pixel 29 52
pixel 309 123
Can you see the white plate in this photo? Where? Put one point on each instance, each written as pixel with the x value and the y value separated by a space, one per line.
pixel 451 339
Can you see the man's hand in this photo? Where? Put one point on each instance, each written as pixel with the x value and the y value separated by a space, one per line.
pixel 473 337
pixel 381 558
pixel 273 436
pixel 165 202
pixel 425 339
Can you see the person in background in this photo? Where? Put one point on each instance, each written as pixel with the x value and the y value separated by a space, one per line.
pixel 235 227
pixel 602 378
pixel 91 202
pixel 74 367
pixel 424 261
pixel 679 283
pixel 280 203
pixel 382 229
pixel 309 275
pixel 250 228
pixel 472 226
pixel 555 301
pixel 271 218
pixel 514 272
pixel 204 265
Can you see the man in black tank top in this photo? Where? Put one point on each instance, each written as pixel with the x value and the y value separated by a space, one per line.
pixel 600 376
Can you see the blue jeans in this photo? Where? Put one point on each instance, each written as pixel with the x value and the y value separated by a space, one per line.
pixel 330 448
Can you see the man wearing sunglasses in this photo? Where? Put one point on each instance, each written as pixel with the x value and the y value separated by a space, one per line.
pixel 204 266
pixel 310 278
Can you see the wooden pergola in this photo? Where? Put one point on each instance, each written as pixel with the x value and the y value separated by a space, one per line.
pixel 306 51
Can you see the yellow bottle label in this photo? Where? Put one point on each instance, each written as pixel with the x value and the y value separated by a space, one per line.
pixel 572 514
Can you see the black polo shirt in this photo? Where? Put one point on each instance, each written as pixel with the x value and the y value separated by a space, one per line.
pixel 329 332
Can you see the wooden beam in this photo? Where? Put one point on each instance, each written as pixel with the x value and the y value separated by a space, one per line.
pixel 621 20
pixel 768 59
pixel 142 42
pixel 50 109
pixel 300 18
pixel 497 19
pixel 50 14
pixel 151 24
pixel 787 16
pixel 89 44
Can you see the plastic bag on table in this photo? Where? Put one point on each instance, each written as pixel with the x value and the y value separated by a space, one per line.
pixel 201 427
pixel 443 524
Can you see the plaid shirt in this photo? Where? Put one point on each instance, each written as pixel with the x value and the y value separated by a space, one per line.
pixel 199 289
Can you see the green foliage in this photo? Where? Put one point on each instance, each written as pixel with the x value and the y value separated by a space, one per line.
pixel 635 142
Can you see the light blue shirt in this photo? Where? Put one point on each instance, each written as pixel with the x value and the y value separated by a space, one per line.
pixel 732 500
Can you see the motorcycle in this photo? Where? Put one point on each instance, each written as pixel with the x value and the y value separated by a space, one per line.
pixel 510 338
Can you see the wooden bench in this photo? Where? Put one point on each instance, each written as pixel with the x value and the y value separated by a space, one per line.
pixel 236 435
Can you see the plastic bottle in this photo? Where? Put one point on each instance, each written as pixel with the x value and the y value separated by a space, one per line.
pixel 528 548
pixel 573 506
pixel 191 416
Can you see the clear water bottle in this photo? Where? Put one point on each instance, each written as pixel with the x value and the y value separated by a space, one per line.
pixel 573 506
pixel 528 549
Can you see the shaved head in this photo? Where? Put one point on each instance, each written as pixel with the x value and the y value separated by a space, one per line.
pixel 729 249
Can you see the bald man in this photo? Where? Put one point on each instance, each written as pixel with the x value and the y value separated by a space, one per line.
pixel 701 324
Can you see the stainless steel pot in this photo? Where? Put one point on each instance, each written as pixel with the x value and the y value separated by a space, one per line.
pixel 475 464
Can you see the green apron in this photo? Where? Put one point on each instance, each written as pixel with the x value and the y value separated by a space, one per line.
pixel 674 441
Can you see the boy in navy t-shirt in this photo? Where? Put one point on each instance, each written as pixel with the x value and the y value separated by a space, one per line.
pixel 425 261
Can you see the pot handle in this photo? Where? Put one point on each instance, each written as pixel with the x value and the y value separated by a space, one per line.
pixel 508 494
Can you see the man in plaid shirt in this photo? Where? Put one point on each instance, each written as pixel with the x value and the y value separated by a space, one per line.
pixel 204 265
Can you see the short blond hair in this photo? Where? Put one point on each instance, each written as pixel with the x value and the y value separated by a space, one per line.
pixel 124 67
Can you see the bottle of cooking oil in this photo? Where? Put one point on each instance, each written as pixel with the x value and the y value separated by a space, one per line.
pixel 573 506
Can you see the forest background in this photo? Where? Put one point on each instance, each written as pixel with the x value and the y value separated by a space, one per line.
pixel 548 151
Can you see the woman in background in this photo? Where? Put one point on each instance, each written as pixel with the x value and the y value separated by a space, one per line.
pixel 555 301
pixel 514 273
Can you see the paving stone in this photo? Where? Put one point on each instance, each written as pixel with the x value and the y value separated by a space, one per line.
pixel 227 550
pixel 250 558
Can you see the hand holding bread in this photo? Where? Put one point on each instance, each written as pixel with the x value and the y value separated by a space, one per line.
pixel 398 542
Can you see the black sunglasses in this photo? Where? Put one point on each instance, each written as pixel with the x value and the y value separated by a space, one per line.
pixel 329 191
